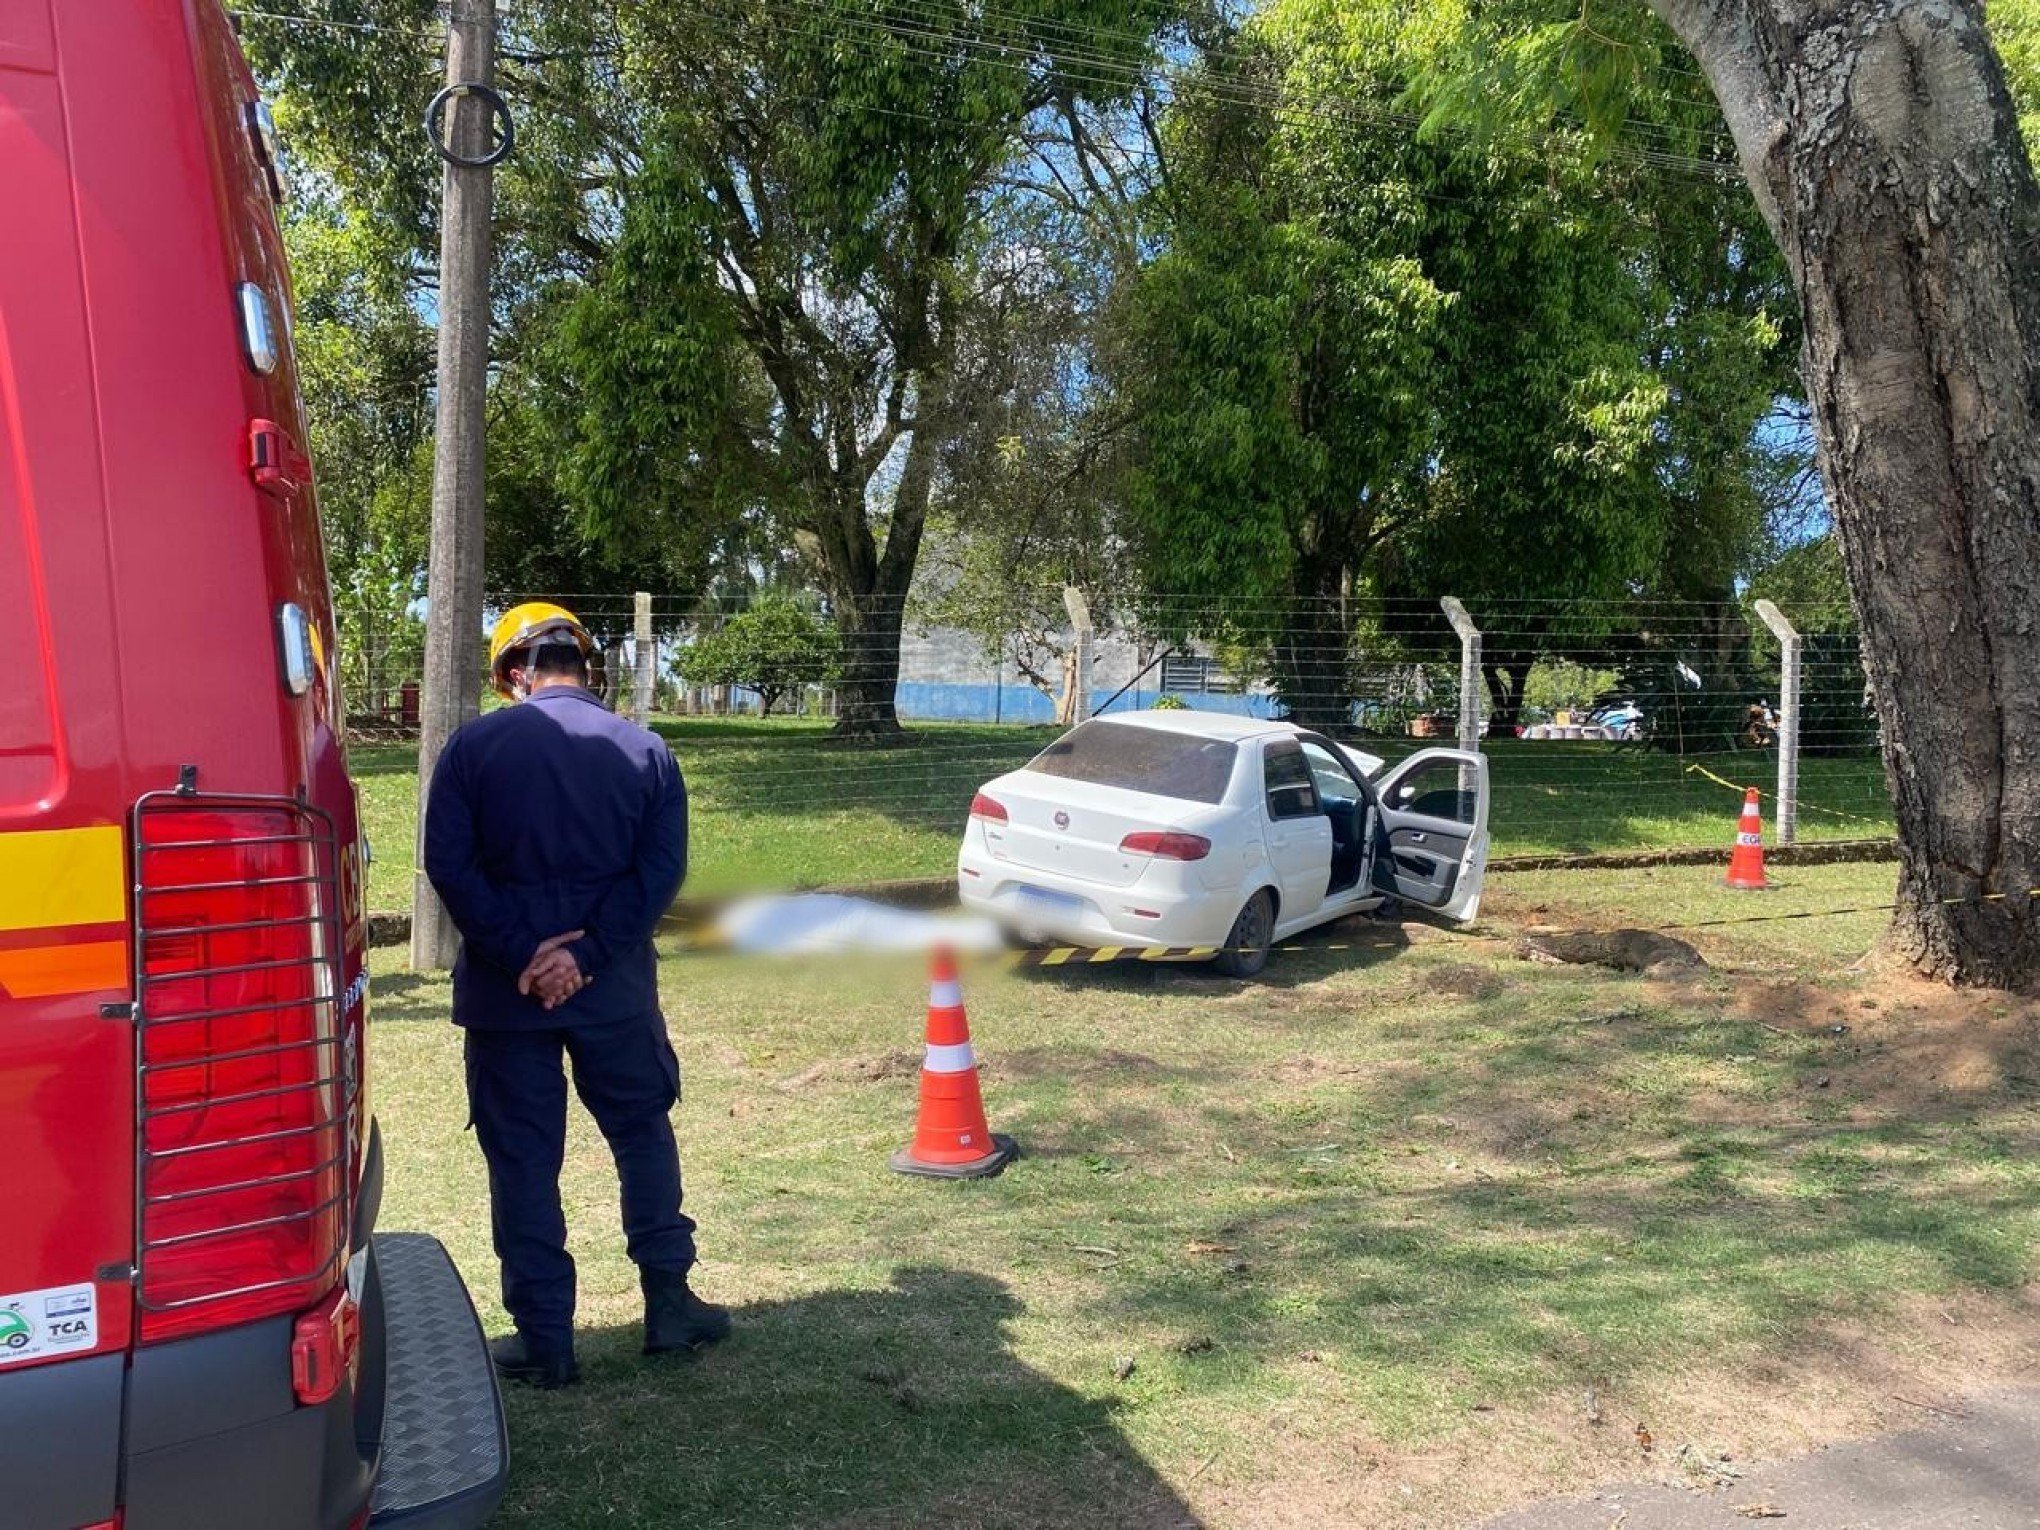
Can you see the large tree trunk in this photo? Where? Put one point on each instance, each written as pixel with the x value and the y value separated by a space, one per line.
pixel 870 586
pixel 869 622
pixel 1507 676
pixel 867 614
pixel 1882 144
pixel 1312 674
pixel 1312 649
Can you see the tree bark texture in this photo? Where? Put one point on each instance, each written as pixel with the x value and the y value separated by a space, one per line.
pixel 1884 149
pixel 868 584
pixel 1507 676
pixel 867 579
pixel 1312 659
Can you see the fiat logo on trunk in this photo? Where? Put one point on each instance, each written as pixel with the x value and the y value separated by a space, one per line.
pixel 1062 819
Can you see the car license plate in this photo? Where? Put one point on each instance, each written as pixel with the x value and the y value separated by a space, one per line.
pixel 1041 897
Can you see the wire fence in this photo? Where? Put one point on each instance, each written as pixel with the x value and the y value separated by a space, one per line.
pixel 1608 726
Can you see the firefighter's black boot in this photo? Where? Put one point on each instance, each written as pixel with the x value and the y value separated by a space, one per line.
pixel 545 1369
pixel 677 1319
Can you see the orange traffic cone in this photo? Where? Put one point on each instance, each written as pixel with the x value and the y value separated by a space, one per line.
pixel 1746 864
pixel 951 1139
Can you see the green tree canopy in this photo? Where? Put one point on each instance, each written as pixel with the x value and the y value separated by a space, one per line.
pixel 803 253
pixel 1376 364
pixel 775 646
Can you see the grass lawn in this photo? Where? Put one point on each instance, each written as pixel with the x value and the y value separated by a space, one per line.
pixel 781 804
pixel 1364 1243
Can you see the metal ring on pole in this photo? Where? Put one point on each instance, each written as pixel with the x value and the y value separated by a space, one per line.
pixel 499 113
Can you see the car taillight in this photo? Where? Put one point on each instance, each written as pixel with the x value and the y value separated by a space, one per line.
pixel 987 808
pixel 325 1347
pixel 1166 846
pixel 246 1084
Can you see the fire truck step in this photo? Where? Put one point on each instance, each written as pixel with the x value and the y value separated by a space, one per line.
pixel 446 1452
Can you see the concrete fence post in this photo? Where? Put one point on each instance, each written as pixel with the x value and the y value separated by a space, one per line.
pixel 1080 619
pixel 1469 673
pixel 1790 643
pixel 647 656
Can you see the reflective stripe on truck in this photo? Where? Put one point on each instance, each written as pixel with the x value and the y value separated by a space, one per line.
pixel 63 911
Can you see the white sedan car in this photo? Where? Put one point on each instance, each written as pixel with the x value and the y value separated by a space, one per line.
pixel 1186 829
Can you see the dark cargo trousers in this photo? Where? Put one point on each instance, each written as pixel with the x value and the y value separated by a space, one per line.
pixel 628 1078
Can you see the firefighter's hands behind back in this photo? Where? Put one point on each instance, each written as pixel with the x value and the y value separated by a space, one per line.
pixel 553 976
pixel 559 982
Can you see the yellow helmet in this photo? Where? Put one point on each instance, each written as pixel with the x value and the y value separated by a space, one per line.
pixel 521 625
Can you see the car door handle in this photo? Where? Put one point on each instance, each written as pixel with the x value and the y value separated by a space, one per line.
pixel 1419 838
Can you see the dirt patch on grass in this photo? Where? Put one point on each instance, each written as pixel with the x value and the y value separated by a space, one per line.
pixel 1912 1050
pixel 1309 1069
pixel 1025 1063
pixel 1122 1494
pixel 868 1070
pixel 1298 1467
pixel 1462 981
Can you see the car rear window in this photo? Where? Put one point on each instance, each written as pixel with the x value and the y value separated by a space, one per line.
pixel 1141 760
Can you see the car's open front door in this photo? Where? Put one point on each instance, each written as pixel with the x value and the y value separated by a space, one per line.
pixel 1434 817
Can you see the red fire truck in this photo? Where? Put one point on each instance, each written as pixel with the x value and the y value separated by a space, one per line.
pixel 199 1327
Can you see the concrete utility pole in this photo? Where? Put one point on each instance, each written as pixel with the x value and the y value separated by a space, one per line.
pixel 453 626
pixel 1469 673
pixel 646 675
pixel 1791 646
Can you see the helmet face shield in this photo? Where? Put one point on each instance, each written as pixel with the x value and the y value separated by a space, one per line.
pixel 522 661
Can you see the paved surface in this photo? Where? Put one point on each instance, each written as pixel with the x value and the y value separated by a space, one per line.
pixel 1976 1473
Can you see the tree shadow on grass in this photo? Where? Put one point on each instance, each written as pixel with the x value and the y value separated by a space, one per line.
pixel 1296 963
pixel 851 1410
pixel 410 997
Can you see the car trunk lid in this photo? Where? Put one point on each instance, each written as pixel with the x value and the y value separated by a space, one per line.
pixel 1074 828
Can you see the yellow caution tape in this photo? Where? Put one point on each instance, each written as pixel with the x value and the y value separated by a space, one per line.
pixel 1702 770
pixel 1083 956
pixel 1804 806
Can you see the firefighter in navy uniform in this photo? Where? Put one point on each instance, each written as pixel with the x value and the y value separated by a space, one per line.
pixel 556 834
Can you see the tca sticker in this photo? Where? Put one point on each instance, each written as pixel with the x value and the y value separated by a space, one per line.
pixel 54 1321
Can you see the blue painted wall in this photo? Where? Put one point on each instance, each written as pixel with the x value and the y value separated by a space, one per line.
pixel 935 701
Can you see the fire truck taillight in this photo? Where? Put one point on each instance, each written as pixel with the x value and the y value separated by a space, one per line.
pixel 325 1348
pixel 246 1081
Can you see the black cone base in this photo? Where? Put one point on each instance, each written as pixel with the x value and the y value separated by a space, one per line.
pixel 1004 1151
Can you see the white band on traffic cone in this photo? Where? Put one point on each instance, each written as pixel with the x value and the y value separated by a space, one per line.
pixel 949 1059
pixel 946 994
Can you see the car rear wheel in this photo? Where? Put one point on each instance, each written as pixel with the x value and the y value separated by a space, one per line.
pixel 1246 947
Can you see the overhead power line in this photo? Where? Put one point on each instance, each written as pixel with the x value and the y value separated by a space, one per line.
pixel 1066 33
pixel 332 24
pixel 1278 99
pixel 1081 53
